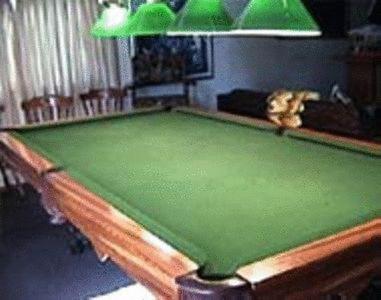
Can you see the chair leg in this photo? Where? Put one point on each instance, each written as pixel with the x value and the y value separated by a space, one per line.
pixel 78 243
pixel 5 176
pixel 16 180
pixel 18 184
pixel 122 104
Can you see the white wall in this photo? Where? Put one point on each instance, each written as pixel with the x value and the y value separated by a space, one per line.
pixel 266 64
pixel 269 64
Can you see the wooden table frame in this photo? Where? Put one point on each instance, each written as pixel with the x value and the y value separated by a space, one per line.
pixel 307 272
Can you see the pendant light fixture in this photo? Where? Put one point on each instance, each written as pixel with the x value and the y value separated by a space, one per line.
pixel 200 17
pixel 151 18
pixel 288 18
pixel 112 22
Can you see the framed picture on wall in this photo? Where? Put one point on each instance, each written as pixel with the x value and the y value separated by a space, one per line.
pixel 196 51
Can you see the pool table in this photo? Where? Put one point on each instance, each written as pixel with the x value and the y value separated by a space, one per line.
pixel 199 205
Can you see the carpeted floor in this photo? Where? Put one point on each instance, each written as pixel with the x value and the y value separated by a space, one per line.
pixel 35 260
pixel 36 263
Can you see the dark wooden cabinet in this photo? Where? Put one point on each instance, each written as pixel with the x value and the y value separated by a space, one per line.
pixel 365 78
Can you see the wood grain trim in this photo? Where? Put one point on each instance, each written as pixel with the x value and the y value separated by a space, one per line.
pixel 137 251
pixel 327 137
pixel 17 154
pixel 372 146
pixel 342 277
pixel 223 116
pixel 303 256
pixel 53 123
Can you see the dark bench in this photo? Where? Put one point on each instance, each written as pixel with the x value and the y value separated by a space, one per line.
pixel 324 116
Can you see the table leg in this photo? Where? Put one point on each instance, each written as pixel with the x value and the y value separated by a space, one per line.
pixel 56 216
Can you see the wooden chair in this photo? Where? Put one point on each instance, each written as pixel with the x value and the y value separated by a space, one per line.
pixel 36 110
pixel 3 169
pixel 61 108
pixel 39 110
pixel 54 108
pixel 48 108
pixel 103 101
pixel 2 109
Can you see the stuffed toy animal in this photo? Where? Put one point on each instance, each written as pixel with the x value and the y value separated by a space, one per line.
pixel 284 107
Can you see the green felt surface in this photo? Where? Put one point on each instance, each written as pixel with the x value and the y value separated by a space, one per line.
pixel 224 194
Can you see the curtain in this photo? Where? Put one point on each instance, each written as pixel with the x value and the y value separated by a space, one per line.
pixel 46 48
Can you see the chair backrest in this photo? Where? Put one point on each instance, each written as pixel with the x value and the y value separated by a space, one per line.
pixel 103 101
pixel 36 110
pixel 2 109
pixel 49 108
pixel 61 107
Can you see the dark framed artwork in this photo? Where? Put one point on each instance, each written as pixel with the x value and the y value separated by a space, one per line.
pixel 196 52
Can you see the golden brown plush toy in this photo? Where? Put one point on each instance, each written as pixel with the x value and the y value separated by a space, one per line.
pixel 284 107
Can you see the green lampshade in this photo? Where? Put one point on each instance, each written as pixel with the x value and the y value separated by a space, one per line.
pixel 150 19
pixel 202 17
pixel 277 18
pixel 112 22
